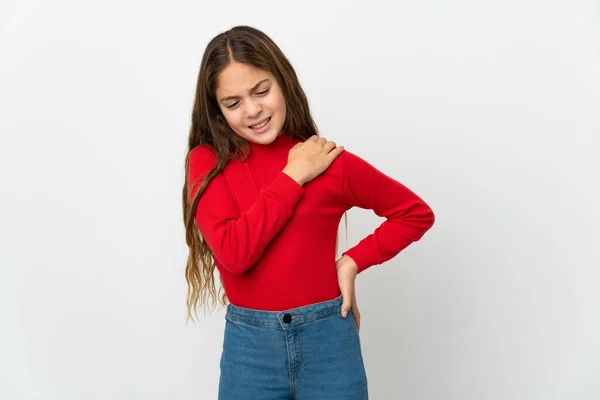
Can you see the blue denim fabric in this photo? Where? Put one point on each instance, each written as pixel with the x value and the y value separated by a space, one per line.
pixel 305 353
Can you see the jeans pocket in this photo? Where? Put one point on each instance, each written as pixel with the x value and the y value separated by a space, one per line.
pixel 356 333
pixel 351 315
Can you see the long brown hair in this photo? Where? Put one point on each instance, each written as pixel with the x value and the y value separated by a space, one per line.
pixel 250 46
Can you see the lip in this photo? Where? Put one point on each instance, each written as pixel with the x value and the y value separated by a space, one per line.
pixel 258 122
pixel 264 129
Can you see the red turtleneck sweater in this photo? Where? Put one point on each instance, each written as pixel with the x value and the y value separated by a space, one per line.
pixel 273 240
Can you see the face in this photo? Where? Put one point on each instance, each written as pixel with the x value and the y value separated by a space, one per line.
pixel 248 97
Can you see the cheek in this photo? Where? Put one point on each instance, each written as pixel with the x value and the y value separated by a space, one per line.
pixel 233 119
pixel 278 103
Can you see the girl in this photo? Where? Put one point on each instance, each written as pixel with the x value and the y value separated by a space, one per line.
pixel 262 201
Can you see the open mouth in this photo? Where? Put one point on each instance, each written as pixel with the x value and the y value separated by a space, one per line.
pixel 260 124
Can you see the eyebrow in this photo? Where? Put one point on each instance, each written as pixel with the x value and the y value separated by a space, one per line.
pixel 250 91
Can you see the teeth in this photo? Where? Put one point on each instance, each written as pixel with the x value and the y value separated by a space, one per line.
pixel 261 125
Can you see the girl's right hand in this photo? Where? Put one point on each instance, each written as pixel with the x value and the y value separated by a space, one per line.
pixel 307 160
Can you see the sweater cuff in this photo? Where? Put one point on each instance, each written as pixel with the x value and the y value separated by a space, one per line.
pixel 288 189
pixel 362 262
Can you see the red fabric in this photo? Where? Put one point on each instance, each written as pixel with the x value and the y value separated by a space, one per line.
pixel 273 240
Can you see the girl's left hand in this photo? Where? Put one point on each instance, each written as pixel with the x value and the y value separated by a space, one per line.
pixel 346 273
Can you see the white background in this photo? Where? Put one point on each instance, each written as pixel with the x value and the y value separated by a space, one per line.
pixel 488 110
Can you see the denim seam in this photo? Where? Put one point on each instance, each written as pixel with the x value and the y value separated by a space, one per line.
pixel 233 319
pixel 251 323
pixel 287 348
pixel 350 315
pixel 358 342
pixel 301 355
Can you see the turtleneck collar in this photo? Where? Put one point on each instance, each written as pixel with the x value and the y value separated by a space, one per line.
pixel 280 143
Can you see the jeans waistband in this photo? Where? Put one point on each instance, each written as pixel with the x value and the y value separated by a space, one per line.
pixel 291 317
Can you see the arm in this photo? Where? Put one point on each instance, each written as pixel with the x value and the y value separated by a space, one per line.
pixel 408 217
pixel 238 240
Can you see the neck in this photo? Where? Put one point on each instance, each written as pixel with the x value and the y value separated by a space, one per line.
pixel 270 148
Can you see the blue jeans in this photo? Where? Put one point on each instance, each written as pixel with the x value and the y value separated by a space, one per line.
pixel 306 353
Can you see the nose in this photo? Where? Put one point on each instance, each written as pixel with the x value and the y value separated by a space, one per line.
pixel 253 108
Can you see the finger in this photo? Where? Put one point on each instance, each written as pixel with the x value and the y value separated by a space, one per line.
pixel 329 146
pixel 346 306
pixel 335 152
pixel 347 301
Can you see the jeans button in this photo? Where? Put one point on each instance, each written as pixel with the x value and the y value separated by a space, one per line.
pixel 287 318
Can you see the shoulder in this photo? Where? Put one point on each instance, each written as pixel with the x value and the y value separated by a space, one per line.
pixel 352 164
pixel 350 158
pixel 203 151
pixel 340 164
pixel 201 160
pixel 202 157
pixel 343 159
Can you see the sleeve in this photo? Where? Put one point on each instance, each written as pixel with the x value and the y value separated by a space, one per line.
pixel 238 240
pixel 408 217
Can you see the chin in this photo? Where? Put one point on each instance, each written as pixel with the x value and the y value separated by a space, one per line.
pixel 264 138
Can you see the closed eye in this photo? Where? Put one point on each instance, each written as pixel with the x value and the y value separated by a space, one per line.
pixel 264 92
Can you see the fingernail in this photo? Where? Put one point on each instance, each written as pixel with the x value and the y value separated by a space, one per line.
pixel 344 314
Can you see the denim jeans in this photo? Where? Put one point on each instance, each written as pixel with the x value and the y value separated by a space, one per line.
pixel 305 353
